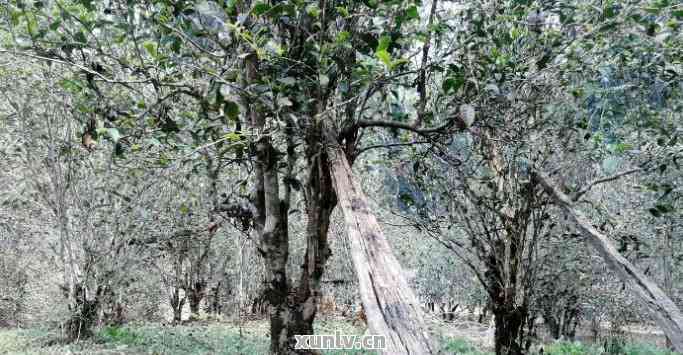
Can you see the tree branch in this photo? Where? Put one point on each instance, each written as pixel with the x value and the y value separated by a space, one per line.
pixel 362 150
pixel 422 77
pixel 405 126
pixel 585 190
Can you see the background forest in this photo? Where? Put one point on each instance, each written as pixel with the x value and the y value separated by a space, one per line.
pixel 204 177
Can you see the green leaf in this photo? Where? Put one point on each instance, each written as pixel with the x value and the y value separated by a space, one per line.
pixel 151 48
pixel 80 37
pixel 232 110
pixel 55 25
pixel 371 3
pixel 233 137
pixel 15 17
pixel 31 25
pixel 313 10
pixel 260 8
pixel 383 43
pixel 184 209
pixel 385 57
pixel 412 13
pixel 112 133
pixel 452 84
pixel 343 11
pixel 71 86
pixel 87 3
pixel 664 208
pixel 343 36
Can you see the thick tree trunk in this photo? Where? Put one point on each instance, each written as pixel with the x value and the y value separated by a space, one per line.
pixel 215 306
pixel 390 304
pixel 508 316
pixel 320 201
pixel 195 295
pixel 509 323
pixel 270 222
pixel 177 304
pixel 84 308
pixel 666 313
pixel 275 247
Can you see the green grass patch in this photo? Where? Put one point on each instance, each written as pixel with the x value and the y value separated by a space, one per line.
pixel 461 347
pixel 210 339
pixel 613 348
pixel 571 348
pixel 115 334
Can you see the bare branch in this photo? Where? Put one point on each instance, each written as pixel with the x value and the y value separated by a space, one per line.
pixel 76 65
pixel 422 77
pixel 405 126
pixel 585 190
pixel 362 150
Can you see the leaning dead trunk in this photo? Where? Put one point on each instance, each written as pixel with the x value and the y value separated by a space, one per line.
pixel 666 313
pixel 390 304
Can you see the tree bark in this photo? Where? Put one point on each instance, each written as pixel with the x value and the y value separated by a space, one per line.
pixel 177 304
pixel 390 304
pixel 320 201
pixel 84 308
pixel 270 222
pixel 502 288
pixel 509 324
pixel 194 296
pixel 666 313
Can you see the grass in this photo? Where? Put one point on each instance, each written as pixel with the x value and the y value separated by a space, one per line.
pixel 155 339
pixel 225 338
pixel 616 348
pixel 461 347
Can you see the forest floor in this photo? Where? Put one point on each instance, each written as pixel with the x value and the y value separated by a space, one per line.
pixel 250 337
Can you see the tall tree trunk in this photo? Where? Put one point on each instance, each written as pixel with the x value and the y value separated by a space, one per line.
pixel 215 306
pixel 177 304
pixel 666 313
pixel 667 267
pixel 502 287
pixel 270 223
pixel 320 201
pixel 194 296
pixel 390 304
pixel 274 245
pixel 84 308
pixel 509 323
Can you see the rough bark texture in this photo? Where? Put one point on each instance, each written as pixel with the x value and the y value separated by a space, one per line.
pixel 666 313
pixel 177 302
pixel 84 309
pixel 390 304
pixel 271 224
pixel 274 244
pixel 195 294
pixel 320 201
pixel 506 270
pixel 508 315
